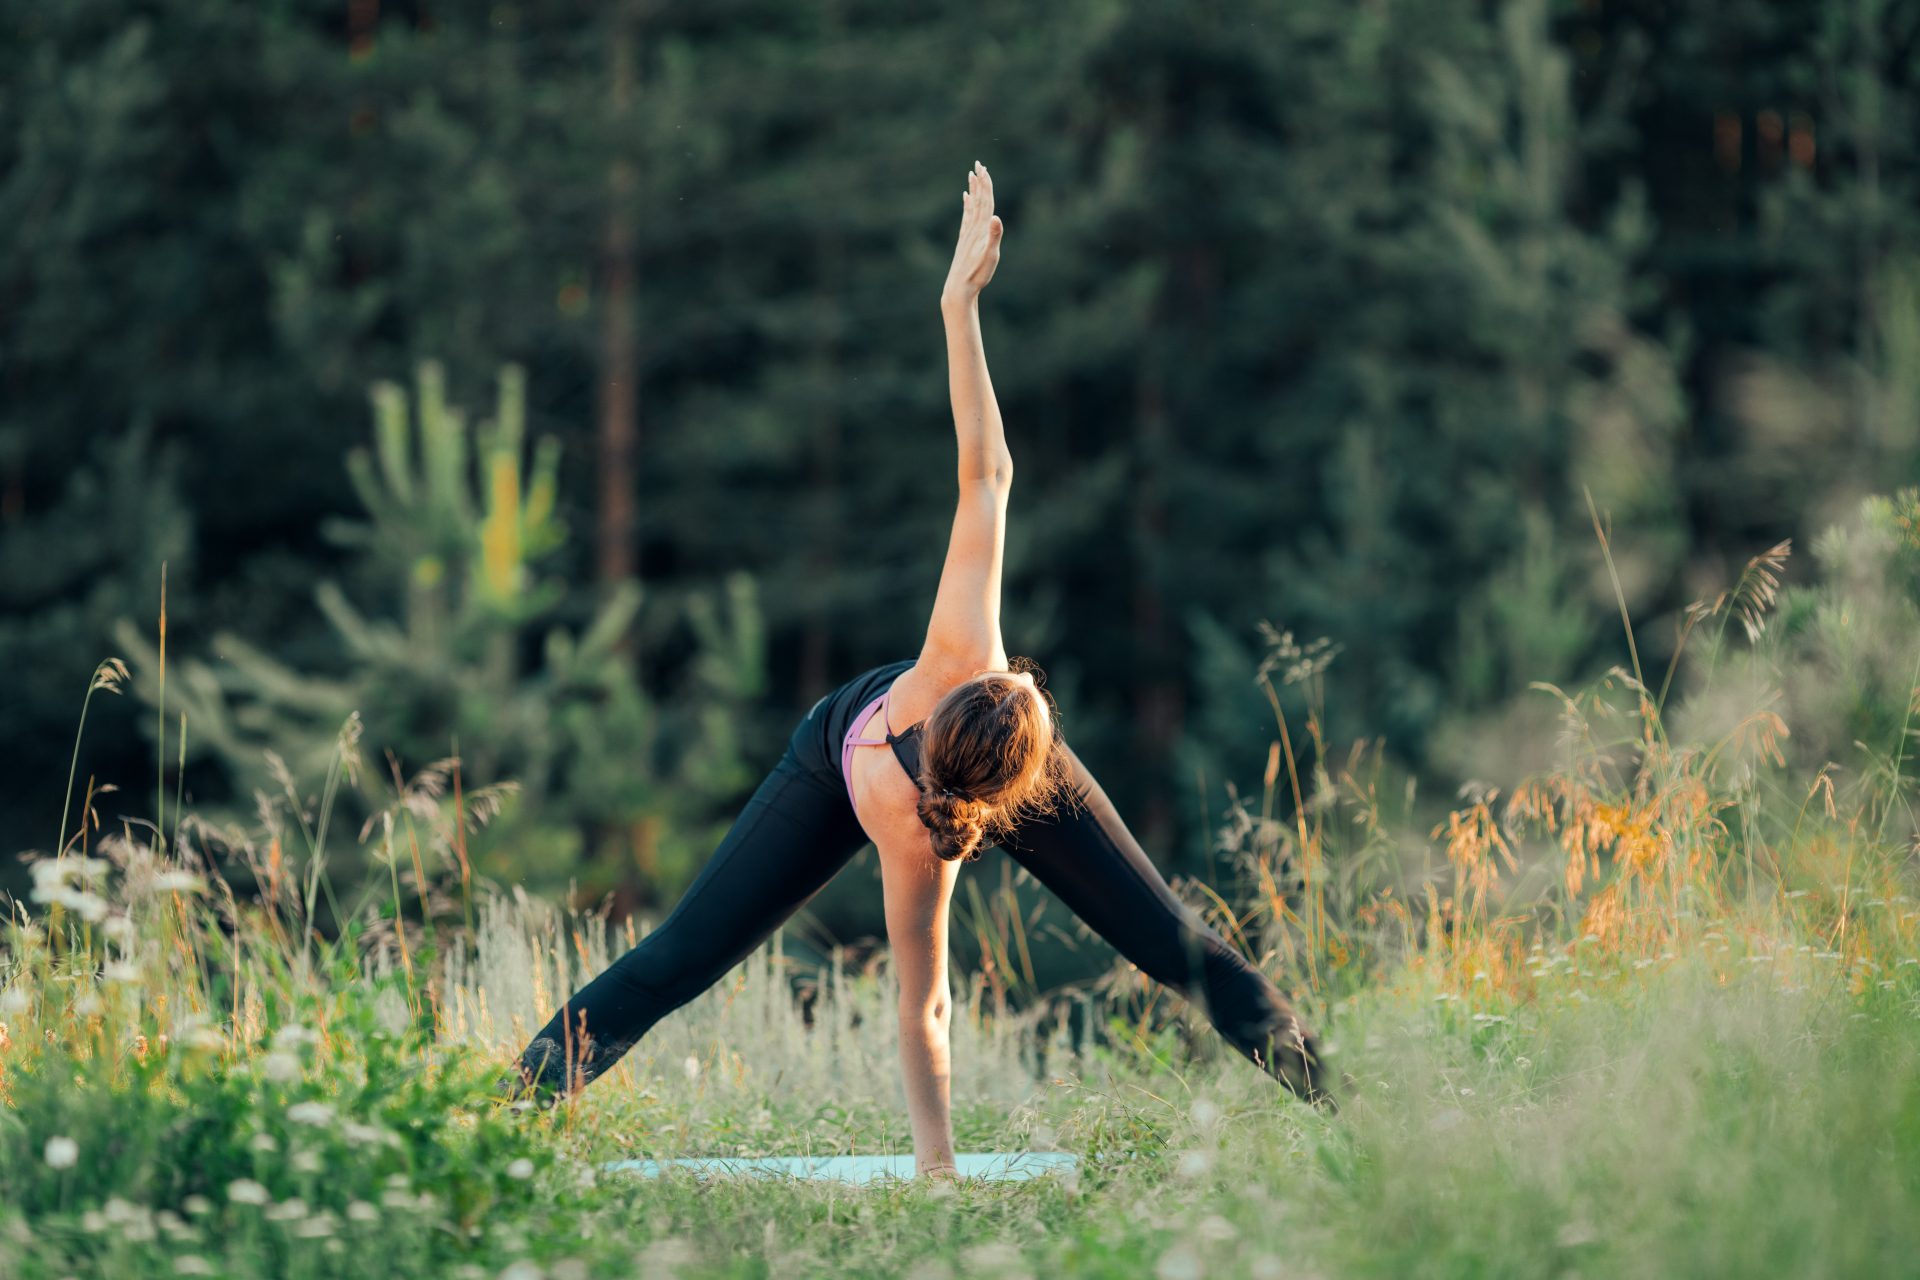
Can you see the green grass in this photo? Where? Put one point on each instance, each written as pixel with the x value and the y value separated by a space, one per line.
pixel 1733 1111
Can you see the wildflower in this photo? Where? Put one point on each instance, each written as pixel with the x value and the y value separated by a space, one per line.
pixel 1205 1113
pixel 134 1221
pixel 305 1161
pixel 197 1205
pixel 1266 1267
pixel 361 1211
pixel 86 1004
pixel 280 1067
pixel 1178 1263
pixel 692 1066
pixel 118 929
pixel 122 971
pixel 90 907
pixel 178 882
pixel 1193 1163
pixel 61 1153
pixel 264 1142
pixel 289 1210
pixel 318 1227
pixel 15 1000
pixel 522 1270
pixel 247 1191
pixel 293 1035
pixel 1215 1227
pixel 48 874
pixel 521 1169
pixel 204 1038
pixel 310 1113
pixel 364 1135
pixel 192 1264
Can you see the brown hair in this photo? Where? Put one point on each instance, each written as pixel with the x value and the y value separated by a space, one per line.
pixel 989 755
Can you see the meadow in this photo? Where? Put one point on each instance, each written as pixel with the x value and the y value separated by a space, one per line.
pixel 1651 1009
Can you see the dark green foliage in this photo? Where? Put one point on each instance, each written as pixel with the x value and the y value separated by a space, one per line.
pixel 455 651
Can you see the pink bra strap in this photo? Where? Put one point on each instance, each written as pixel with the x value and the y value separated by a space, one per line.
pixel 866 717
pixel 850 742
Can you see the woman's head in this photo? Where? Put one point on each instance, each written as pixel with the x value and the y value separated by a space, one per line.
pixel 989 753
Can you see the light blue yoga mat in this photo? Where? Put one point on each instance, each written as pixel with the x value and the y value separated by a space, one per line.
pixel 996 1166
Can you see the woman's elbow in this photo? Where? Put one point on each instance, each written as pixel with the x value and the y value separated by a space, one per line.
pixel 995 476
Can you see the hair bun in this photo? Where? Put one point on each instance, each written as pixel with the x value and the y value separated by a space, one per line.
pixel 954 822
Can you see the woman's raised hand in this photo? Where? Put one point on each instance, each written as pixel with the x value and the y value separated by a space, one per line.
pixel 978 250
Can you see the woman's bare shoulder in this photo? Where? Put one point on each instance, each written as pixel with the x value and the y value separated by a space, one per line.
pixel 918 690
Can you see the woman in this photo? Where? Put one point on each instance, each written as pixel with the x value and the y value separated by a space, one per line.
pixel 929 759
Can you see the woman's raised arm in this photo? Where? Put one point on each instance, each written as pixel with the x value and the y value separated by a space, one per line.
pixel 965 629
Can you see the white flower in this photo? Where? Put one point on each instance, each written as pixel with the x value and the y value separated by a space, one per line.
pixel 522 1270
pixel 122 971
pixel 309 1113
pixel 90 907
pixel 1193 1163
pixel 281 1067
pixel 361 1211
pixel 1178 1263
pixel 521 1168
pixel 692 1066
pixel 1205 1113
pixel 293 1035
pixel 197 1205
pixel 178 882
pixel 189 1264
pixel 319 1226
pixel 15 1000
pixel 118 929
pixel 86 1004
pixel 305 1161
pixel 62 871
pixel 291 1209
pixel 247 1191
pixel 264 1142
pixel 364 1135
pixel 203 1037
pixel 61 1153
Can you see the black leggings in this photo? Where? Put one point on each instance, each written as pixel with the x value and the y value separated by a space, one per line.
pixel 796 833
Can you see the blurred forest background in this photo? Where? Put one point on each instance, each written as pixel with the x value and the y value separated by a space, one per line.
pixel 562 385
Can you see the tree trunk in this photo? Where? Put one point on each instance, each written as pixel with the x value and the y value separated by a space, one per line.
pixel 816 642
pixel 619 433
